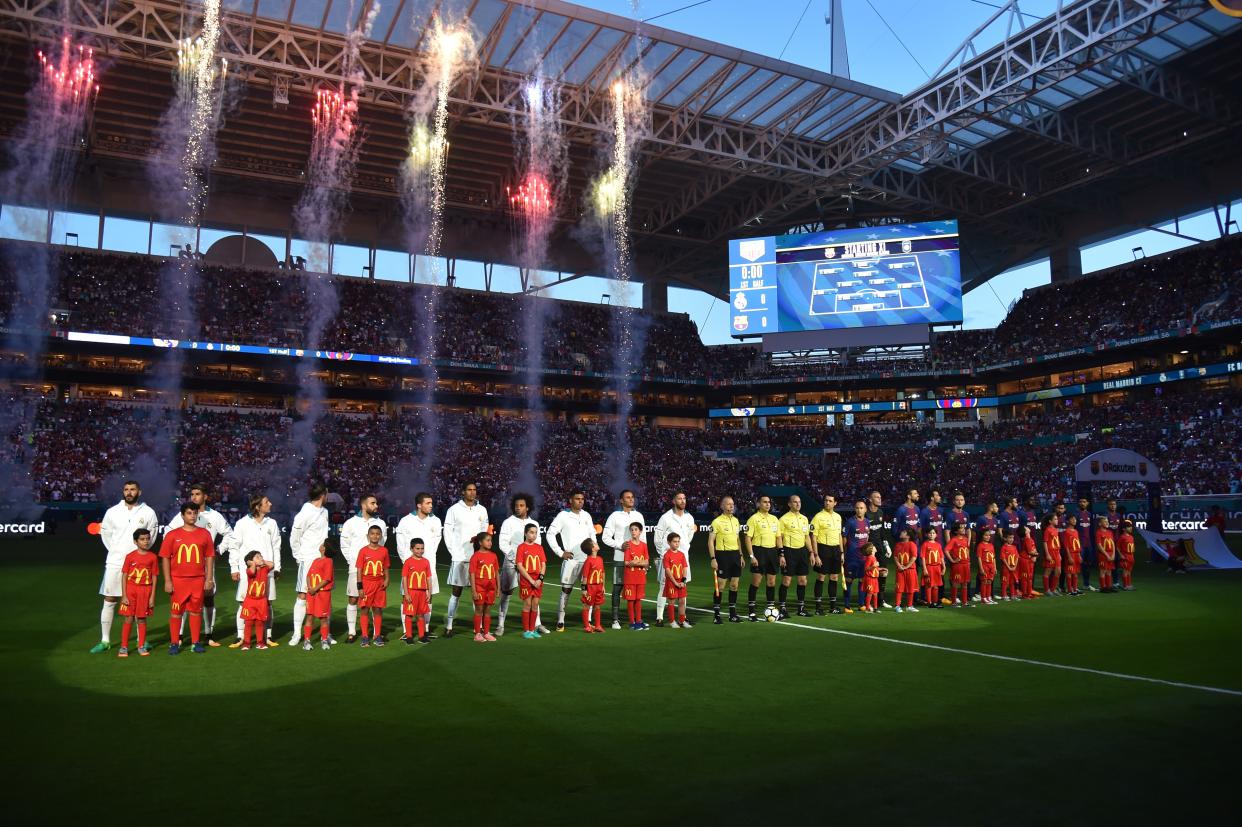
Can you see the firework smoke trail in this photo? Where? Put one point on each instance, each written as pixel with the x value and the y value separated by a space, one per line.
pixel 42 155
pixel 330 170
pixel 179 173
pixel 609 202
pixel 534 201
pixel 451 56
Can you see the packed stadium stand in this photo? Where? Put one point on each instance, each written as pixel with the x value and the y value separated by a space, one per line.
pixel 77 447
pixel 111 293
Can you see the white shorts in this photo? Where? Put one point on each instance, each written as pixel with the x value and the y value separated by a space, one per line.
pixel 113 582
pixel 351 584
pixel 571 571
pixel 509 576
pixel 303 567
pixel 459 573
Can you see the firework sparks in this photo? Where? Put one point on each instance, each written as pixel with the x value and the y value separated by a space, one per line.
pixel 70 77
pixel 451 49
pixel 608 200
pixel 532 197
pixel 195 115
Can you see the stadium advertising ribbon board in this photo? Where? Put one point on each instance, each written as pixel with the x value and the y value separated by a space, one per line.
pixel 335 355
pixel 1204 372
pixel 862 277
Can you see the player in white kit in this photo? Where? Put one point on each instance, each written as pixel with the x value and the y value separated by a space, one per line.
pixel 117 532
pixel 465 520
pixel 254 532
pixel 616 533
pixel 511 535
pixel 565 537
pixel 353 538
pixel 309 531
pixel 422 524
pixel 674 521
pixel 220 529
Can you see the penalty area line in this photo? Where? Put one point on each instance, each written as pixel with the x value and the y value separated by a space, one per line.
pixel 992 656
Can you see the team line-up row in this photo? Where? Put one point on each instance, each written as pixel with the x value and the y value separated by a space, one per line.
pixel 929 549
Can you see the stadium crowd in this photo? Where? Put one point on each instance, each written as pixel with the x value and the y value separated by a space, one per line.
pixel 78 450
pixel 114 293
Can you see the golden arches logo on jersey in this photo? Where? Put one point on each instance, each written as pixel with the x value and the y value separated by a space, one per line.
pixel 314 581
pixel 373 568
pixel 533 564
pixel 487 572
pixel 189 553
pixel 416 580
pixel 258 588
pixel 676 570
pixel 596 577
pixel 140 577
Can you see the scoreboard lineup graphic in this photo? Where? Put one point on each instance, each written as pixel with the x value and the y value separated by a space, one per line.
pixel 861 285
pixel 863 277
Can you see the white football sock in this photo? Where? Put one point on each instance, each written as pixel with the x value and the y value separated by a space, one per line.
pixel 241 625
pixel 271 613
pixel 299 615
pixel 105 621
pixel 560 608
pixel 452 611
pixel 351 618
pixel 538 617
pixel 209 619
pixel 504 608
pixel 661 602
pixel 426 622
pixel 185 622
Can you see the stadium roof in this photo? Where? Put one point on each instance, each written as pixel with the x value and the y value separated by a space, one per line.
pixel 578 46
pixel 1034 140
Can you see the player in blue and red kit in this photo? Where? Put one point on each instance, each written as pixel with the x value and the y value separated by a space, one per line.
pixel 908 516
pixel 1011 517
pixel 1030 517
pixel 933 515
pixel 956 516
pixel 1086 536
pixel 856 534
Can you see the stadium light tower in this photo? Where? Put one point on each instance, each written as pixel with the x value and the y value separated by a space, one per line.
pixel 838 55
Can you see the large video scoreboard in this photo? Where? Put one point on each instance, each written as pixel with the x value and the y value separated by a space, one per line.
pixel 895 274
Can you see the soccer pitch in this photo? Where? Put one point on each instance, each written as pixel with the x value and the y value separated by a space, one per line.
pixel 740 723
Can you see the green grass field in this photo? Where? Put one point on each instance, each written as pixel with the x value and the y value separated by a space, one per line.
pixel 745 723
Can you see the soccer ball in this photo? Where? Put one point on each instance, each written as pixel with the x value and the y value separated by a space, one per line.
pixel 772 614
